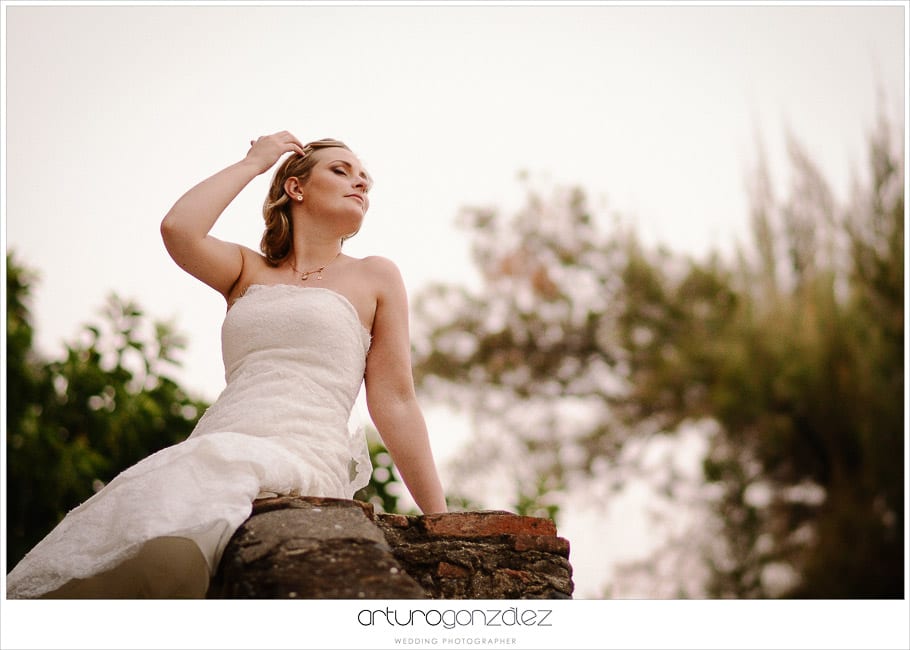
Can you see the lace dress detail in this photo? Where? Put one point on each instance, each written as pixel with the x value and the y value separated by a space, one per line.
pixel 294 362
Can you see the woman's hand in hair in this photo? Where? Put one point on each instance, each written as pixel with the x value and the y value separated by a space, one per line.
pixel 266 150
pixel 186 227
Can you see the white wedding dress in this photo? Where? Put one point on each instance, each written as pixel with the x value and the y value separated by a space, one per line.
pixel 294 361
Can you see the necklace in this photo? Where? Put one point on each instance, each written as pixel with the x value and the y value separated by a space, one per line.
pixel 304 275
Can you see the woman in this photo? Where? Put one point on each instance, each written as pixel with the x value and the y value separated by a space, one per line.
pixel 306 325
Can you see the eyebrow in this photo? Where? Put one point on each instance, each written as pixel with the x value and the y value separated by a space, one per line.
pixel 363 174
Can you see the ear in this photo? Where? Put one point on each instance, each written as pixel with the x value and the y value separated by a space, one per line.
pixel 293 188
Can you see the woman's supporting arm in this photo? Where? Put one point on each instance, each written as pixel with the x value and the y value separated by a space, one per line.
pixel 391 397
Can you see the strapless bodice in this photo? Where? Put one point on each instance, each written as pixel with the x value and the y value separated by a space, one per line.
pixel 294 359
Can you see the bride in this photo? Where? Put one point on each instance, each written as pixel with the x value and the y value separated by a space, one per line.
pixel 306 325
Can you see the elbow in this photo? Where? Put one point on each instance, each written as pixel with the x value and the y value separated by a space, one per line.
pixel 391 394
pixel 387 408
pixel 168 228
pixel 173 233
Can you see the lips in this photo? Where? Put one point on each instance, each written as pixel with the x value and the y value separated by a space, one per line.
pixel 356 196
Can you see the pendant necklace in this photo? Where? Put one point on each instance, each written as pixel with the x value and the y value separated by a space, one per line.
pixel 304 275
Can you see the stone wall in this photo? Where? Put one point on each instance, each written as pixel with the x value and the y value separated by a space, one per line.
pixel 481 554
pixel 309 547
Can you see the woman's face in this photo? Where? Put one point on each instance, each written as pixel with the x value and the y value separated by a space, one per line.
pixel 337 185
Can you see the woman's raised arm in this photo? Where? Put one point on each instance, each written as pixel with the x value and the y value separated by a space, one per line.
pixel 185 228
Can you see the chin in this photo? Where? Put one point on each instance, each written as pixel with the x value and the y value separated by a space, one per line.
pixel 354 224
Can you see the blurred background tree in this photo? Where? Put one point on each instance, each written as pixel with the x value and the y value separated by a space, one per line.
pixel 384 489
pixel 789 359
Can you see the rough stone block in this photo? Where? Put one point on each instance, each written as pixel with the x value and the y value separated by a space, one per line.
pixel 446 570
pixel 545 543
pixel 485 524
pixel 473 555
pixel 305 548
pixel 309 547
pixel 395 521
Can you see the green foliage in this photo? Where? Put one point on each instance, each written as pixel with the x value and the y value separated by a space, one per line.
pixel 810 395
pixel 580 343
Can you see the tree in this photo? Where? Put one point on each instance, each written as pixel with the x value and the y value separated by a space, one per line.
pixel 790 357
pixel 530 356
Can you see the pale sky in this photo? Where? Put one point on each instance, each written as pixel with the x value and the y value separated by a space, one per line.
pixel 112 112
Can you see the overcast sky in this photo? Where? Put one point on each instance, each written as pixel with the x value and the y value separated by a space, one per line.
pixel 112 112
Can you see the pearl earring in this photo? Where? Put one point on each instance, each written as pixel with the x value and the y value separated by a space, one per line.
pixel 300 197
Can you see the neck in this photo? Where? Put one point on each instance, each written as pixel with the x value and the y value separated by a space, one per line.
pixel 316 241
pixel 311 250
pixel 313 257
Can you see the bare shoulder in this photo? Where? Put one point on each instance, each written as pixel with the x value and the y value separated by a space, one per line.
pixel 379 266
pixel 383 275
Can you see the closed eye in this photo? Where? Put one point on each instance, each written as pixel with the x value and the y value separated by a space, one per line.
pixel 344 168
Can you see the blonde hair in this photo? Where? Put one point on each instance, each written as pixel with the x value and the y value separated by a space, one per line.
pixel 279 231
